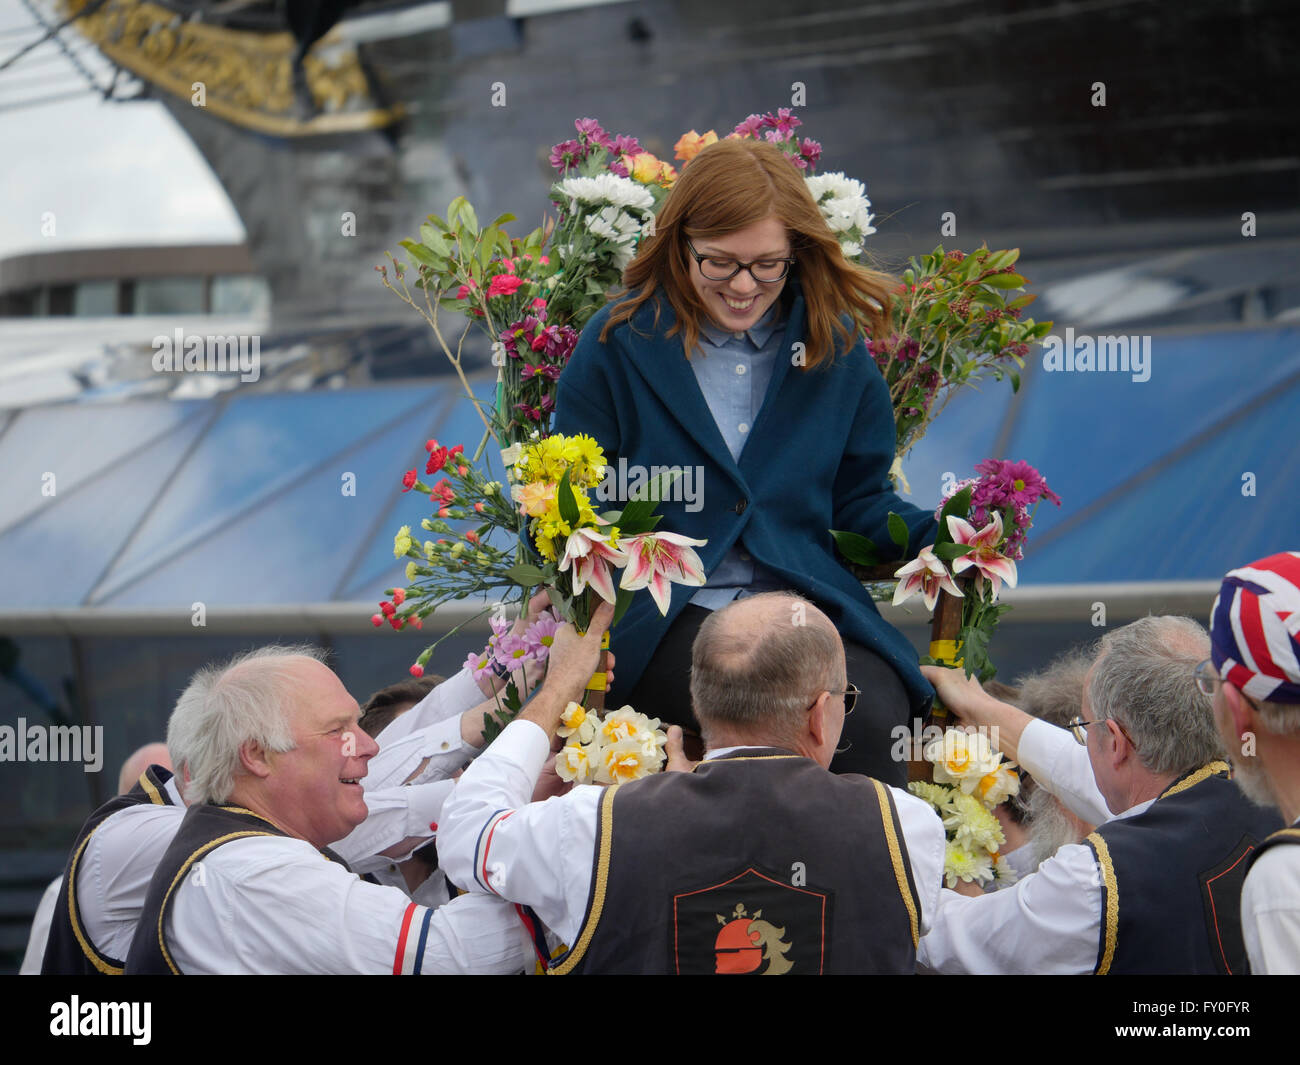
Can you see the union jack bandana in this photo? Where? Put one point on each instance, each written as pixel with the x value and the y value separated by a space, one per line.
pixel 1255 628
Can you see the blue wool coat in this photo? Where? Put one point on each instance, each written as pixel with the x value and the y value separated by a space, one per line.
pixel 816 458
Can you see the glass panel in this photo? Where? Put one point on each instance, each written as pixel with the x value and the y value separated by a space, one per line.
pixel 57 556
pixel 240 295
pixel 169 295
pixel 76 442
pixel 261 446
pixel 1089 431
pixel 293 549
pixel 1192 521
pixel 95 299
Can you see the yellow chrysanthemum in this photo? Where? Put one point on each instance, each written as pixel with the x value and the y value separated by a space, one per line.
pixel 961 864
pixel 972 825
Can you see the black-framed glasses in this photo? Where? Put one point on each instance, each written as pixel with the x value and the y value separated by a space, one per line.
pixel 850 694
pixel 719 268
pixel 1079 730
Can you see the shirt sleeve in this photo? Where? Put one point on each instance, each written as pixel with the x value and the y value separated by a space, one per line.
pixel 1270 912
pixel 1052 757
pixel 395 814
pixel 493 841
pixel 448 700
pixel 272 905
pixel 40 934
pixel 434 752
pixel 1047 924
pixel 927 844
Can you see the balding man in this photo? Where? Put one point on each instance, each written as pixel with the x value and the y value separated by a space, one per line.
pixel 274 762
pixel 758 861
pixel 1254 675
pixel 1156 888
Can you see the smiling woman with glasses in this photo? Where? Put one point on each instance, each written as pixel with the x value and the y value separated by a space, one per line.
pixel 737 352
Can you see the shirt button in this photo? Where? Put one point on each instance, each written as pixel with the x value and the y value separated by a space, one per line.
pixel 740 367
pixel 744 557
pixel 445 745
pixel 743 427
pixel 740 506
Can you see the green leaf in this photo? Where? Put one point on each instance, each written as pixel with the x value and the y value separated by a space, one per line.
pixel 468 216
pixel 949 551
pixel 622 600
pixel 958 506
pixel 435 241
pixel 898 531
pixel 1015 381
pixel 1004 281
pixel 568 503
pixel 423 255
pixel 486 250
pixel 525 575
pixel 856 548
pixel 502 219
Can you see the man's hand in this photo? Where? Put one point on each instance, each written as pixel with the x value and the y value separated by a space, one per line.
pixel 675 749
pixel 572 661
pixel 974 706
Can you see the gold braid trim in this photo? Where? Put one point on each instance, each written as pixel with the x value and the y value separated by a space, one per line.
pixel 96 959
pixel 896 857
pixel 1110 918
pixel 598 891
pixel 1192 779
pixel 155 796
pixel 162 910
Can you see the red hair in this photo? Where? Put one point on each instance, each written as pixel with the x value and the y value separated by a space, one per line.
pixel 731 185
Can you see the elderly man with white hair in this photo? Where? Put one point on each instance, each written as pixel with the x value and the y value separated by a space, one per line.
pixel 1156 888
pixel 275 760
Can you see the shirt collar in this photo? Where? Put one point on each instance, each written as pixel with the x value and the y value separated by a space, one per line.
pixel 759 333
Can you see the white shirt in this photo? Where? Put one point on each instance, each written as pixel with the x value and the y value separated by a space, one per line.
pixel 1270 912
pixel 116 867
pixel 40 934
pixel 541 854
pixel 270 904
pixel 1057 762
pixel 448 700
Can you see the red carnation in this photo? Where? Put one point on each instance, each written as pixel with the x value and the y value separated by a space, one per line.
pixel 504 285
pixel 417 670
pixel 408 480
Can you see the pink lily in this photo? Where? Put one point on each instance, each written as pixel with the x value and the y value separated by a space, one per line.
pixel 986 558
pixel 927 575
pixel 657 559
pixel 592 557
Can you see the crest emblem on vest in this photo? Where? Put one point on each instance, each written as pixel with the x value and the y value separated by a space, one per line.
pixel 751 923
pixel 748 944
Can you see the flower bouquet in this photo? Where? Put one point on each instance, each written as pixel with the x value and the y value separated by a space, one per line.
pixel 983 523
pixel 970 779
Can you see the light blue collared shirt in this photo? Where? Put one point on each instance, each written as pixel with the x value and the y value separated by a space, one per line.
pixel 733 371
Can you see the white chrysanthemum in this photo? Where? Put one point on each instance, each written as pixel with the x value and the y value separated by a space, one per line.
pixel 844 204
pixel 960 864
pixel 962 758
pixel 937 795
pixel 836 186
pixel 970 824
pixel 1003 875
pixel 607 188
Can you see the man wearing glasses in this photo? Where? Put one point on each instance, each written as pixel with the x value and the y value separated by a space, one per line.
pixel 1253 673
pixel 1156 889
pixel 758 861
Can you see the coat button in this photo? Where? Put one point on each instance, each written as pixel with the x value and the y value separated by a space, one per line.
pixel 740 507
